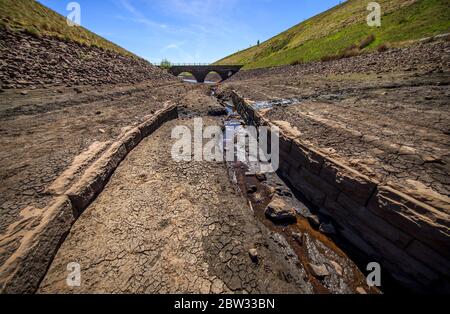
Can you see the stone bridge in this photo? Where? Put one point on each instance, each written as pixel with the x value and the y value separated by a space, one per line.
pixel 201 71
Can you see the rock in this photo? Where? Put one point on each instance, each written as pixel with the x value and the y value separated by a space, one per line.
pixel 337 267
pixel 279 211
pixel 24 92
pixel 261 177
pixel 217 286
pixel 432 159
pixel 327 228
pixel 445 36
pixel 77 90
pixel 98 112
pixel 102 131
pixel 360 290
pixel 217 112
pixel 283 191
pixel 298 236
pixel 253 255
pixel 319 272
pixel 314 221
pixel 252 189
pixel 270 190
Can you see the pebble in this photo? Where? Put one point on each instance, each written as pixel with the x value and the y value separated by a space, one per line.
pixel 252 189
pixel 319 271
pixel 360 290
pixel 298 236
pixel 261 177
pixel 327 228
pixel 253 255
pixel 314 221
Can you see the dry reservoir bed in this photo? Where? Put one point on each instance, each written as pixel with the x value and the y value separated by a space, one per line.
pixel 365 146
pixel 162 226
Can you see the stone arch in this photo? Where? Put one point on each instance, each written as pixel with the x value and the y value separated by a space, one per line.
pixel 200 72
pixel 225 74
pixel 200 76
pixel 182 72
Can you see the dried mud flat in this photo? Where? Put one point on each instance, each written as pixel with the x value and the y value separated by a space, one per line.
pixel 42 132
pixel 167 227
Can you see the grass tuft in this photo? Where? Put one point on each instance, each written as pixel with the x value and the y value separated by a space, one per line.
pixel 366 41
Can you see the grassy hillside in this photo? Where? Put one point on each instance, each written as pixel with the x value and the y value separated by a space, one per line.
pixel 344 28
pixel 34 18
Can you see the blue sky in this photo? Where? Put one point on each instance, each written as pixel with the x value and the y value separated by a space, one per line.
pixel 190 30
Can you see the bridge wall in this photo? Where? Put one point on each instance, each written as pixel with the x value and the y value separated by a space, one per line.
pixel 200 71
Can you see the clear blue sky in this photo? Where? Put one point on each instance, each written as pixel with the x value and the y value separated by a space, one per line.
pixel 190 30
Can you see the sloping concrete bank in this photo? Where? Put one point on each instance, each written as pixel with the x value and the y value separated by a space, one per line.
pixel 410 239
pixel 41 231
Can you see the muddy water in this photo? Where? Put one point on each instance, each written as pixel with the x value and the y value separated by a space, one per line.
pixel 312 247
pixel 193 81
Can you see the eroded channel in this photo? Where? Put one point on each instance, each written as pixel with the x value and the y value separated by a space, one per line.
pixel 307 240
pixel 162 226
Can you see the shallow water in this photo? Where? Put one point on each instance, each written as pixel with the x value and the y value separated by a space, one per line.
pixel 260 105
pixel 195 82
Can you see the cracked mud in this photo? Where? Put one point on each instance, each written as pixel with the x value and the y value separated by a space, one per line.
pixel 193 237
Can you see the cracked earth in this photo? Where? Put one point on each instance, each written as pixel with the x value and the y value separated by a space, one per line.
pixel 166 227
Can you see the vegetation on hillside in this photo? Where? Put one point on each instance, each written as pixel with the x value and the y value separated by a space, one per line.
pixel 34 18
pixel 343 31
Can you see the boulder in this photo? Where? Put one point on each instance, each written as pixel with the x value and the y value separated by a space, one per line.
pixel 279 211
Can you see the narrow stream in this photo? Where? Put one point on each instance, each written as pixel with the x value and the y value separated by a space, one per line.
pixel 328 268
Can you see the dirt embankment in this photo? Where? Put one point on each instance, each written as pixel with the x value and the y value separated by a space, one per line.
pixel 34 62
pixel 417 59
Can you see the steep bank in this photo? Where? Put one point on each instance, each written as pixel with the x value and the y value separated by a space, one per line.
pixel 343 28
pixel 29 61
pixel 38 50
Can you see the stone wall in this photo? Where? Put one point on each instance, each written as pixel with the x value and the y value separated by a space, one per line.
pixel 408 238
pixel 28 247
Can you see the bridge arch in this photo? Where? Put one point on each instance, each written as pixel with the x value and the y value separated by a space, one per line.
pixel 201 71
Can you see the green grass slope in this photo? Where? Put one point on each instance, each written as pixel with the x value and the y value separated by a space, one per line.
pixel 34 18
pixel 345 26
